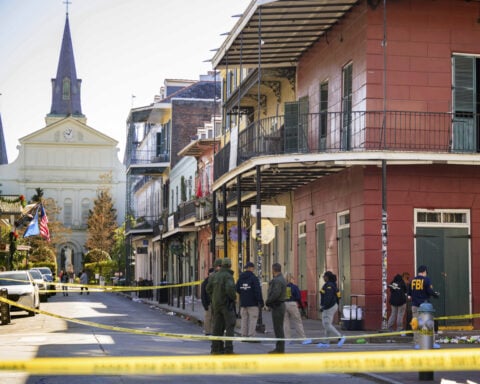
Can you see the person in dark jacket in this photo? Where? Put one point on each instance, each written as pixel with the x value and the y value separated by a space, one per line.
pixel 329 295
pixel 207 316
pixel 419 291
pixel 221 289
pixel 277 292
pixel 398 303
pixel 251 300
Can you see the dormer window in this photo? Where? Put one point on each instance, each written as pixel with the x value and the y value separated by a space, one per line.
pixel 66 89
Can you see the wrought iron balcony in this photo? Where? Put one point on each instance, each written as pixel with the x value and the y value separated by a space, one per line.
pixel 146 157
pixel 355 132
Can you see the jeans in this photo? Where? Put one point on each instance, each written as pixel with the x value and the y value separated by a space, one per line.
pixel 398 312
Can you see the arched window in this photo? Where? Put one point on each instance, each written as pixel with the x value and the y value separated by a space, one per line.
pixel 66 88
pixel 85 211
pixel 67 213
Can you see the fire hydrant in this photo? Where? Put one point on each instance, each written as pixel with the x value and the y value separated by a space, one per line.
pixel 425 326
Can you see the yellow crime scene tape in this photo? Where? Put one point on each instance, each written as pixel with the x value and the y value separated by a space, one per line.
pixel 348 362
pixel 306 363
pixel 181 335
pixel 115 288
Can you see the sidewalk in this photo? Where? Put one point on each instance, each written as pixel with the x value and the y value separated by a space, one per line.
pixel 193 311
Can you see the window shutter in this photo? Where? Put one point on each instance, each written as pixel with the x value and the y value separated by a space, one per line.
pixel 463 87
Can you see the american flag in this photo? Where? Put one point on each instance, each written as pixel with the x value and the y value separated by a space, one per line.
pixel 44 232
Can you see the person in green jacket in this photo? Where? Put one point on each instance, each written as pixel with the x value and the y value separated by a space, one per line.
pixel 222 292
pixel 277 294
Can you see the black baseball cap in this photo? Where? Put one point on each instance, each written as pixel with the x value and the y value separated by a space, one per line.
pixel 422 268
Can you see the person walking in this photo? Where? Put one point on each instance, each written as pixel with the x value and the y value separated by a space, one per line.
pixel 221 289
pixel 329 306
pixel 251 300
pixel 207 316
pixel 420 291
pixel 398 303
pixel 277 292
pixel 63 276
pixel 292 313
pixel 84 282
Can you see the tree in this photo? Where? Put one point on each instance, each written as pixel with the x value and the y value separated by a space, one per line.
pixel 38 197
pixel 102 221
pixel 119 249
pixel 96 255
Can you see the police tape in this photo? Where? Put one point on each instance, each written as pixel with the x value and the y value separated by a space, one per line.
pixel 305 363
pixel 459 317
pixel 358 337
pixel 108 287
pixel 184 336
pixel 116 288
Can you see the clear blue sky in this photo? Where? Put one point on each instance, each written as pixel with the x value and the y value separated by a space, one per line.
pixel 122 48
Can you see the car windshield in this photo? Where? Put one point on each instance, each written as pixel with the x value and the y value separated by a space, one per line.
pixel 44 271
pixel 36 274
pixel 14 279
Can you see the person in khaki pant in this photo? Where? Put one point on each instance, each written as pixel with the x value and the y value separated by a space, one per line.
pixel 251 300
pixel 292 314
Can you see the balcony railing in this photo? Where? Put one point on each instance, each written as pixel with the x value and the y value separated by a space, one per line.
pixel 186 210
pixel 354 131
pixel 143 156
pixel 141 222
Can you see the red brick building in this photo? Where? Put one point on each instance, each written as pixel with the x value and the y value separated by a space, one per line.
pixel 365 126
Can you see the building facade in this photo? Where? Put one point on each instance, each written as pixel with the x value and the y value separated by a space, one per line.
pixel 366 134
pixel 67 159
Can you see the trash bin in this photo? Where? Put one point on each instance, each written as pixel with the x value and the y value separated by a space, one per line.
pixel 4 308
pixel 163 293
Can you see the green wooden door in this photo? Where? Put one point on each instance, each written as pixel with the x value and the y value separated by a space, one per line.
pixel 321 260
pixel 344 277
pixel 302 262
pixel 445 252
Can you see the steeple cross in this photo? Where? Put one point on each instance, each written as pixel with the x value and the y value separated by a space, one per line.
pixel 66 2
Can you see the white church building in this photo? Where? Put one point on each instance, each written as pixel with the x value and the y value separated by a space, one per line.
pixel 66 159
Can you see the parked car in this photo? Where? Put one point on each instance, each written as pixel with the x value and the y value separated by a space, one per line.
pixel 42 284
pixel 22 289
pixel 47 273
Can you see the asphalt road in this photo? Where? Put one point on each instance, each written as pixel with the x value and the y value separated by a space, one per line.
pixel 46 336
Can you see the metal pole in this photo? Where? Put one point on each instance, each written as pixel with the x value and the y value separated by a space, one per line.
pixel 225 238
pixel 384 230
pixel 384 244
pixel 258 238
pixel 239 226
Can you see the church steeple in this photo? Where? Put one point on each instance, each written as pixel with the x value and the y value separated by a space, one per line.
pixel 3 148
pixel 66 87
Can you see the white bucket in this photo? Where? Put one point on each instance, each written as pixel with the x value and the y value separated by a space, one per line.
pixel 352 312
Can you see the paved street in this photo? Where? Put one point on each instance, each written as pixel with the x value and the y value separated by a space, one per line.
pixel 44 336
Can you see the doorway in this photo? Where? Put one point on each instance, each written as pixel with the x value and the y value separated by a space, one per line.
pixel 443 244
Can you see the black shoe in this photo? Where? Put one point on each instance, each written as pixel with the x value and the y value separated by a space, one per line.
pixel 229 353
pixel 216 353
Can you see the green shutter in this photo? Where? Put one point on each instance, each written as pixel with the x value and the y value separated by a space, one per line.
pixel 291 127
pixel 464 107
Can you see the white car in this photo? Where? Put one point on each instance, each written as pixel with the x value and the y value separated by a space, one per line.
pixel 20 288
pixel 42 283
pixel 47 274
